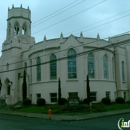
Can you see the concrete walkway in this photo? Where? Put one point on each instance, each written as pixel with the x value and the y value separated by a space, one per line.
pixel 66 118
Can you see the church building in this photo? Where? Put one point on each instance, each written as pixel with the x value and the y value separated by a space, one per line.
pixel 72 58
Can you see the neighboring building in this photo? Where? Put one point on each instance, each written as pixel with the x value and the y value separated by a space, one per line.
pixel 68 58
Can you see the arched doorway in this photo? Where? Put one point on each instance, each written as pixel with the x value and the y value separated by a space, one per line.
pixel 9 96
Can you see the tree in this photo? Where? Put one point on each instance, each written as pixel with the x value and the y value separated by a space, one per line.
pixel 24 86
pixel 88 90
pixel 59 91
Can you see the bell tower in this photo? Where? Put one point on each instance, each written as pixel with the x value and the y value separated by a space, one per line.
pixel 18 40
pixel 19 21
pixel 18 29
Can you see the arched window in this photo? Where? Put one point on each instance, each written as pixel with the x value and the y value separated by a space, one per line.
pixel 16 28
pixel 123 71
pixel 38 69
pixel 53 67
pixel 72 64
pixel 91 71
pixel 24 29
pixel 105 66
pixel 25 67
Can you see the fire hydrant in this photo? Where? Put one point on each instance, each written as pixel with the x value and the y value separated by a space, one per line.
pixel 49 114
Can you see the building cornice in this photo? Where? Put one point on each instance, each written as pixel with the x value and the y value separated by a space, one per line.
pixel 10 48
pixel 18 17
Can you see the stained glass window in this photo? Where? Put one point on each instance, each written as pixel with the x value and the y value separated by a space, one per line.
pixel 53 67
pixel 38 69
pixel 72 64
pixel 123 71
pixel 91 72
pixel 105 66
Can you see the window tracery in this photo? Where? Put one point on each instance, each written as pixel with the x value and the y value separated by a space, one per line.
pixel 105 66
pixel 91 70
pixel 53 67
pixel 38 69
pixel 72 64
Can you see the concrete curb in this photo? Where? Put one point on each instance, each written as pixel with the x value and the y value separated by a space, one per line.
pixel 66 118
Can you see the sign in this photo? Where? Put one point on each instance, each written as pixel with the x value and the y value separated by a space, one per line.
pixel 73 99
pixel 122 124
pixel 73 102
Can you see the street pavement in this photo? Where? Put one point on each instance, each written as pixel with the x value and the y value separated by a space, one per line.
pixel 65 117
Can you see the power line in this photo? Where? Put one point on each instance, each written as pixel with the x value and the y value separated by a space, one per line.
pixel 65 49
pixel 55 11
pixel 104 23
pixel 69 17
pixel 94 28
pixel 96 22
pixel 58 13
pixel 1 39
pixel 99 22
pixel 78 54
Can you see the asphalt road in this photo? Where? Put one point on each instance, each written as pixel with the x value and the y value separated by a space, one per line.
pixel 8 122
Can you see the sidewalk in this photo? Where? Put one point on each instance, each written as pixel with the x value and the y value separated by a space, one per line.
pixel 66 118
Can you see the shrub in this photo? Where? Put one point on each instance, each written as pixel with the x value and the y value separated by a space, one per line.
pixel 62 101
pixel 106 101
pixel 26 102
pixel 86 101
pixel 41 102
pixel 120 100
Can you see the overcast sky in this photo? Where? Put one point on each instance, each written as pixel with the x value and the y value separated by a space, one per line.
pixel 106 17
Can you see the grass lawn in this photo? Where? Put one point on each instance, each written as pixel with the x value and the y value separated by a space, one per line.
pixel 66 110
pixel 115 106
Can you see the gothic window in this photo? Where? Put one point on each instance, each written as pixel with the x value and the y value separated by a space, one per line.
pixel 24 29
pixel 91 71
pixel 38 69
pixel 72 64
pixel 105 66
pixel 16 28
pixel 123 71
pixel 53 67
pixel 25 67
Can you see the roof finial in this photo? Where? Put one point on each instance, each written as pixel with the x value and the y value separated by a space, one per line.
pixel 28 7
pixel 61 35
pixel 44 37
pixel 12 5
pixel 21 5
pixel 81 34
pixel 98 36
pixel 81 37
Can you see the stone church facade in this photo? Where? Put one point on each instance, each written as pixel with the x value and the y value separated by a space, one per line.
pixel 68 58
